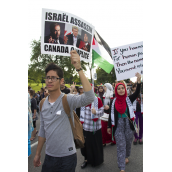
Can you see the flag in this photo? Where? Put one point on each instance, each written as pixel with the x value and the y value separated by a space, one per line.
pixel 68 29
pixel 101 53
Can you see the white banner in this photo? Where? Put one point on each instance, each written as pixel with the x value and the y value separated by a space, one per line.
pixel 63 32
pixel 128 60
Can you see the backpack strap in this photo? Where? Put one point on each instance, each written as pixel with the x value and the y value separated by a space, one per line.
pixel 66 105
pixel 67 111
pixel 41 103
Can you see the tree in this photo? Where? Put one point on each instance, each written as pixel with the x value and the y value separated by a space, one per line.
pixel 35 75
pixel 103 77
pixel 39 62
pixel 127 80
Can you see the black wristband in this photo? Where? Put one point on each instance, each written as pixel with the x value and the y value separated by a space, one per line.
pixel 78 69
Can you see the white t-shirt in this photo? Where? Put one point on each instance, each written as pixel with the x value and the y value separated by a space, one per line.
pixel 52 103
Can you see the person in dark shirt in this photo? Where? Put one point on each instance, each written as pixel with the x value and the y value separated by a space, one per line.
pixel 33 109
pixel 139 118
pixel 81 91
pixel 64 89
pixel 41 94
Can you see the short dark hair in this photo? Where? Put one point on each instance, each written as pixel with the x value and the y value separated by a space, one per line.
pixel 52 26
pixel 54 67
pixel 31 92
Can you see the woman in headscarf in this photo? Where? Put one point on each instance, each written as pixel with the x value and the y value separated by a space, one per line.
pixel 100 93
pixel 121 119
pixel 108 95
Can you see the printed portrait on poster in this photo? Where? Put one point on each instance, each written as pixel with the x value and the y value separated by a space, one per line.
pixel 85 41
pixel 63 32
pixel 72 37
pixel 54 32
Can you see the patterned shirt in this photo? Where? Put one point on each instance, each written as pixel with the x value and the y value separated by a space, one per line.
pixel 30 122
pixel 88 122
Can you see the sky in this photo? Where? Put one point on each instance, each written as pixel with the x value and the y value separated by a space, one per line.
pixel 118 22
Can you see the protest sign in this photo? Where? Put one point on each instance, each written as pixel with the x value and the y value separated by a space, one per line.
pixel 128 60
pixel 63 32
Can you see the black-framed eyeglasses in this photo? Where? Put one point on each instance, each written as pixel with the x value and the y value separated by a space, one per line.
pixel 53 78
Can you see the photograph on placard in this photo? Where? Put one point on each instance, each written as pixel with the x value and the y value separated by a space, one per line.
pixel 63 32
pixel 54 32
pixel 86 40
pixel 72 35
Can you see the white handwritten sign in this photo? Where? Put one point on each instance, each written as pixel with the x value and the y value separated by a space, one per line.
pixel 128 60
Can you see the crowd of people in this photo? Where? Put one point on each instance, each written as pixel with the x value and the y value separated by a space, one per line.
pixel 109 114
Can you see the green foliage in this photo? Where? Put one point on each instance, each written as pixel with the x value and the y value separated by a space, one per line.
pixel 103 77
pixel 35 75
pixel 37 87
pixel 127 80
pixel 39 62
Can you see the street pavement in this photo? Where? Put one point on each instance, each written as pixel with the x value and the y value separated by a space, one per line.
pixel 110 159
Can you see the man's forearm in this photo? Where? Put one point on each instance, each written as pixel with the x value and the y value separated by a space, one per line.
pixel 41 141
pixel 75 60
pixel 85 83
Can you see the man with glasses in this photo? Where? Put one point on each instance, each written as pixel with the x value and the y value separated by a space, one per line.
pixel 55 127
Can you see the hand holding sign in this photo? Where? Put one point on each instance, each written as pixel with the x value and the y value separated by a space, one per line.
pixel 75 59
pixel 138 77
